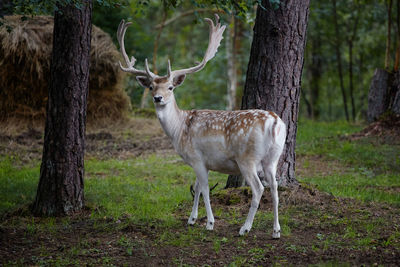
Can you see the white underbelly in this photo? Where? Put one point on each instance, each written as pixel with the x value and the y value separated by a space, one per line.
pixel 218 157
pixel 226 166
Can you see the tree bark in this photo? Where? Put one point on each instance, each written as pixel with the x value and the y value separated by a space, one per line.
pixel 339 59
pixel 388 37
pixel 274 72
pixel 316 75
pixel 351 85
pixel 378 94
pixel 60 189
pixel 144 101
pixel 232 68
pixel 350 42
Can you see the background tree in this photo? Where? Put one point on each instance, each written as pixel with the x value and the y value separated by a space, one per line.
pixel 362 37
pixel 339 57
pixel 274 72
pixel 384 94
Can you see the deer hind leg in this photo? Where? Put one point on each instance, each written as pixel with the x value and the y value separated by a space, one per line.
pixel 193 215
pixel 202 187
pixel 249 172
pixel 269 166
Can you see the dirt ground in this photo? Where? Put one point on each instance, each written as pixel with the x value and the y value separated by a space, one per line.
pixel 323 228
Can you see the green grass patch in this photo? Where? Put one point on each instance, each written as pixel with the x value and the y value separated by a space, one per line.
pixel 309 131
pixel 371 170
pixel 381 188
pixel 17 185
pixel 145 189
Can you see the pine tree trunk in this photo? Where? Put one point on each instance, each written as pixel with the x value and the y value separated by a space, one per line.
pixel 232 68
pixel 351 84
pixel 60 189
pixel 378 94
pixel 274 71
pixel 339 59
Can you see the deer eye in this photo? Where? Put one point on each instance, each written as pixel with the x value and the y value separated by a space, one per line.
pixel 151 87
pixel 171 87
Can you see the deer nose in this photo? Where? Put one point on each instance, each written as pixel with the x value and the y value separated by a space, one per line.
pixel 157 98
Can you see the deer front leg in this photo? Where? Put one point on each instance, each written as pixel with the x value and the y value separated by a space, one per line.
pixel 251 177
pixel 202 179
pixel 193 215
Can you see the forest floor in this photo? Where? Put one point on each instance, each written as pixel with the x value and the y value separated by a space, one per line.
pixel 346 209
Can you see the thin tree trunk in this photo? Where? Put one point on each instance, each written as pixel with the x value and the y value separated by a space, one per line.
pixel 60 189
pixel 274 72
pixel 388 37
pixel 350 41
pixel 143 102
pixel 308 104
pixel 339 59
pixel 351 86
pixel 316 74
pixel 397 60
pixel 232 65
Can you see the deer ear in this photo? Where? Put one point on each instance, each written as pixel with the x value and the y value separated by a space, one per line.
pixel 178 80
pixel 143 81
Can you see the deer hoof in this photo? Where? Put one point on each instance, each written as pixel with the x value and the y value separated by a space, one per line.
pixel 276 234
pixel 210 226
pixel 192 221
pixel 244 230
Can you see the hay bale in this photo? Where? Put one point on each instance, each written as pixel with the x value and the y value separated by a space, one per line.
pixel 25 55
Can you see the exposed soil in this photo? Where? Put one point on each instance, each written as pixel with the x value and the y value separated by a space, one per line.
pixel 323 228
pixel 131 138
pixel 385 130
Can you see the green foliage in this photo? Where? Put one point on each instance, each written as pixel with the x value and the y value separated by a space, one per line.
pixel 38 7
pixel 369 18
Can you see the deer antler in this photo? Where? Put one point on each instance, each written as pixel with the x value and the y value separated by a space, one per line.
pixel 214 41
pixel 130 63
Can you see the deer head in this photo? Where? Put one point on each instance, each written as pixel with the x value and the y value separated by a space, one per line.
pixel 162 87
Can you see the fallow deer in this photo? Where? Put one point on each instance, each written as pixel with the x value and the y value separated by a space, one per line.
pixel 233 142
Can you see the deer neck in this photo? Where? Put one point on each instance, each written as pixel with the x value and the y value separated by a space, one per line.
pixel 171 119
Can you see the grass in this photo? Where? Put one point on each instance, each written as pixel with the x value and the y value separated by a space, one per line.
pixel 150 195
pixel 370 171
pixel 17 184
pixel 145 189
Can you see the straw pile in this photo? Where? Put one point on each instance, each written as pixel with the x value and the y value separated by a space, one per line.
pixel 25 54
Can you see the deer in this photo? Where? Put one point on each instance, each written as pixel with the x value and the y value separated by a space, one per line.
pixel 244 142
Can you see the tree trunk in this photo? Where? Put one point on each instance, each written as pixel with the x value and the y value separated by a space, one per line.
pixel 394 94
pixel 339 59
pixel 388 37
pixel 232 68
pixel 378 94
pixel 60 189
pixel 274 71
pixel 316 74
pixel 351 85
pixel 350 41
pixel 144 101
pixel 397 58
pixel 308 104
